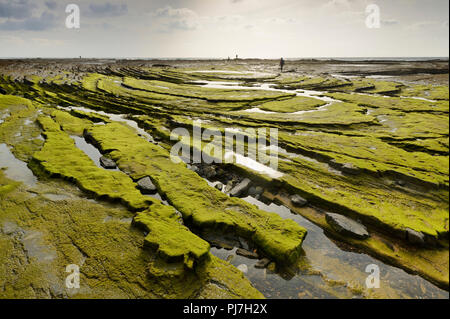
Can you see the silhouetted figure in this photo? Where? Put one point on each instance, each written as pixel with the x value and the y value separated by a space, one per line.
pixel 281 64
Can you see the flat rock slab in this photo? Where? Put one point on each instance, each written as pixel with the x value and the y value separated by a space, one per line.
pixel 346 226
pixel 146 185
pixel 221 244
pixel 107 163
pixel 246 253
pixel 240 188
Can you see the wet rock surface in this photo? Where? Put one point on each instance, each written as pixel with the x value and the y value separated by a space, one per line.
pixel 349 185
pixel 346 226
pixel 241 188
pixel 146 185
pixel 107 163
pixel 246 253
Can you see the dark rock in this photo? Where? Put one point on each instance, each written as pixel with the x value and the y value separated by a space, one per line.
pixel 209 172
pixel 349 168
pixel 299 201
pixel 221 244
pixel 88 136
pixel 255 191
pixel 401 183
pixel 219 186
pixel 346 226
pixel 229 186
pixel 252 191
pixel 259 190
pixel 220 172
pixel 263 263
pixel 146 186
pixel 246 253
pixel 244 244
pixel 241 188
pixel 415 237
pixel 107 163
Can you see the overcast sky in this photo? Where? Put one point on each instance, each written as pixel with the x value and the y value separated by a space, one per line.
pixel 221 28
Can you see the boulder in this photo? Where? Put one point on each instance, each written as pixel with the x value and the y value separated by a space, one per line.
pixel 146 186
pixel 243 268
pixel 241 188
pixel 255 191
pixel 209 172
pixel 414 237
pixel 263 263
pixel 299 201
pixel 346 226
pixel 246 253
pixel 252 191
pixel 107 163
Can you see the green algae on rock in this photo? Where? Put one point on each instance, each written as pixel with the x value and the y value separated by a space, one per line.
pixel 100 240
pixel 380 159
pixel 169 237
pixel 60 157
pixel 204 206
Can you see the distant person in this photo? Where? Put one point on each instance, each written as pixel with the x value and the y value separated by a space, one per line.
pixel 281 64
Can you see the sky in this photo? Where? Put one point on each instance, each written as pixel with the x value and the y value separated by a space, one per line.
pixel 222 28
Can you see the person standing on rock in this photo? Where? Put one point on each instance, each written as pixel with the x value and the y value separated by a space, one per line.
pixel 281 64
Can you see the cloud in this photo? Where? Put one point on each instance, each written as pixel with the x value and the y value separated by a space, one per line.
pixel 228 19
pixel 177 19
pixel 281 21
pixel 338 3
pixel 423 25
pixel 52 5
pixel 47 42
pixel 108 9
pixel 14 40
pixel 389 22
pixel 45 21
pixel 16 9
